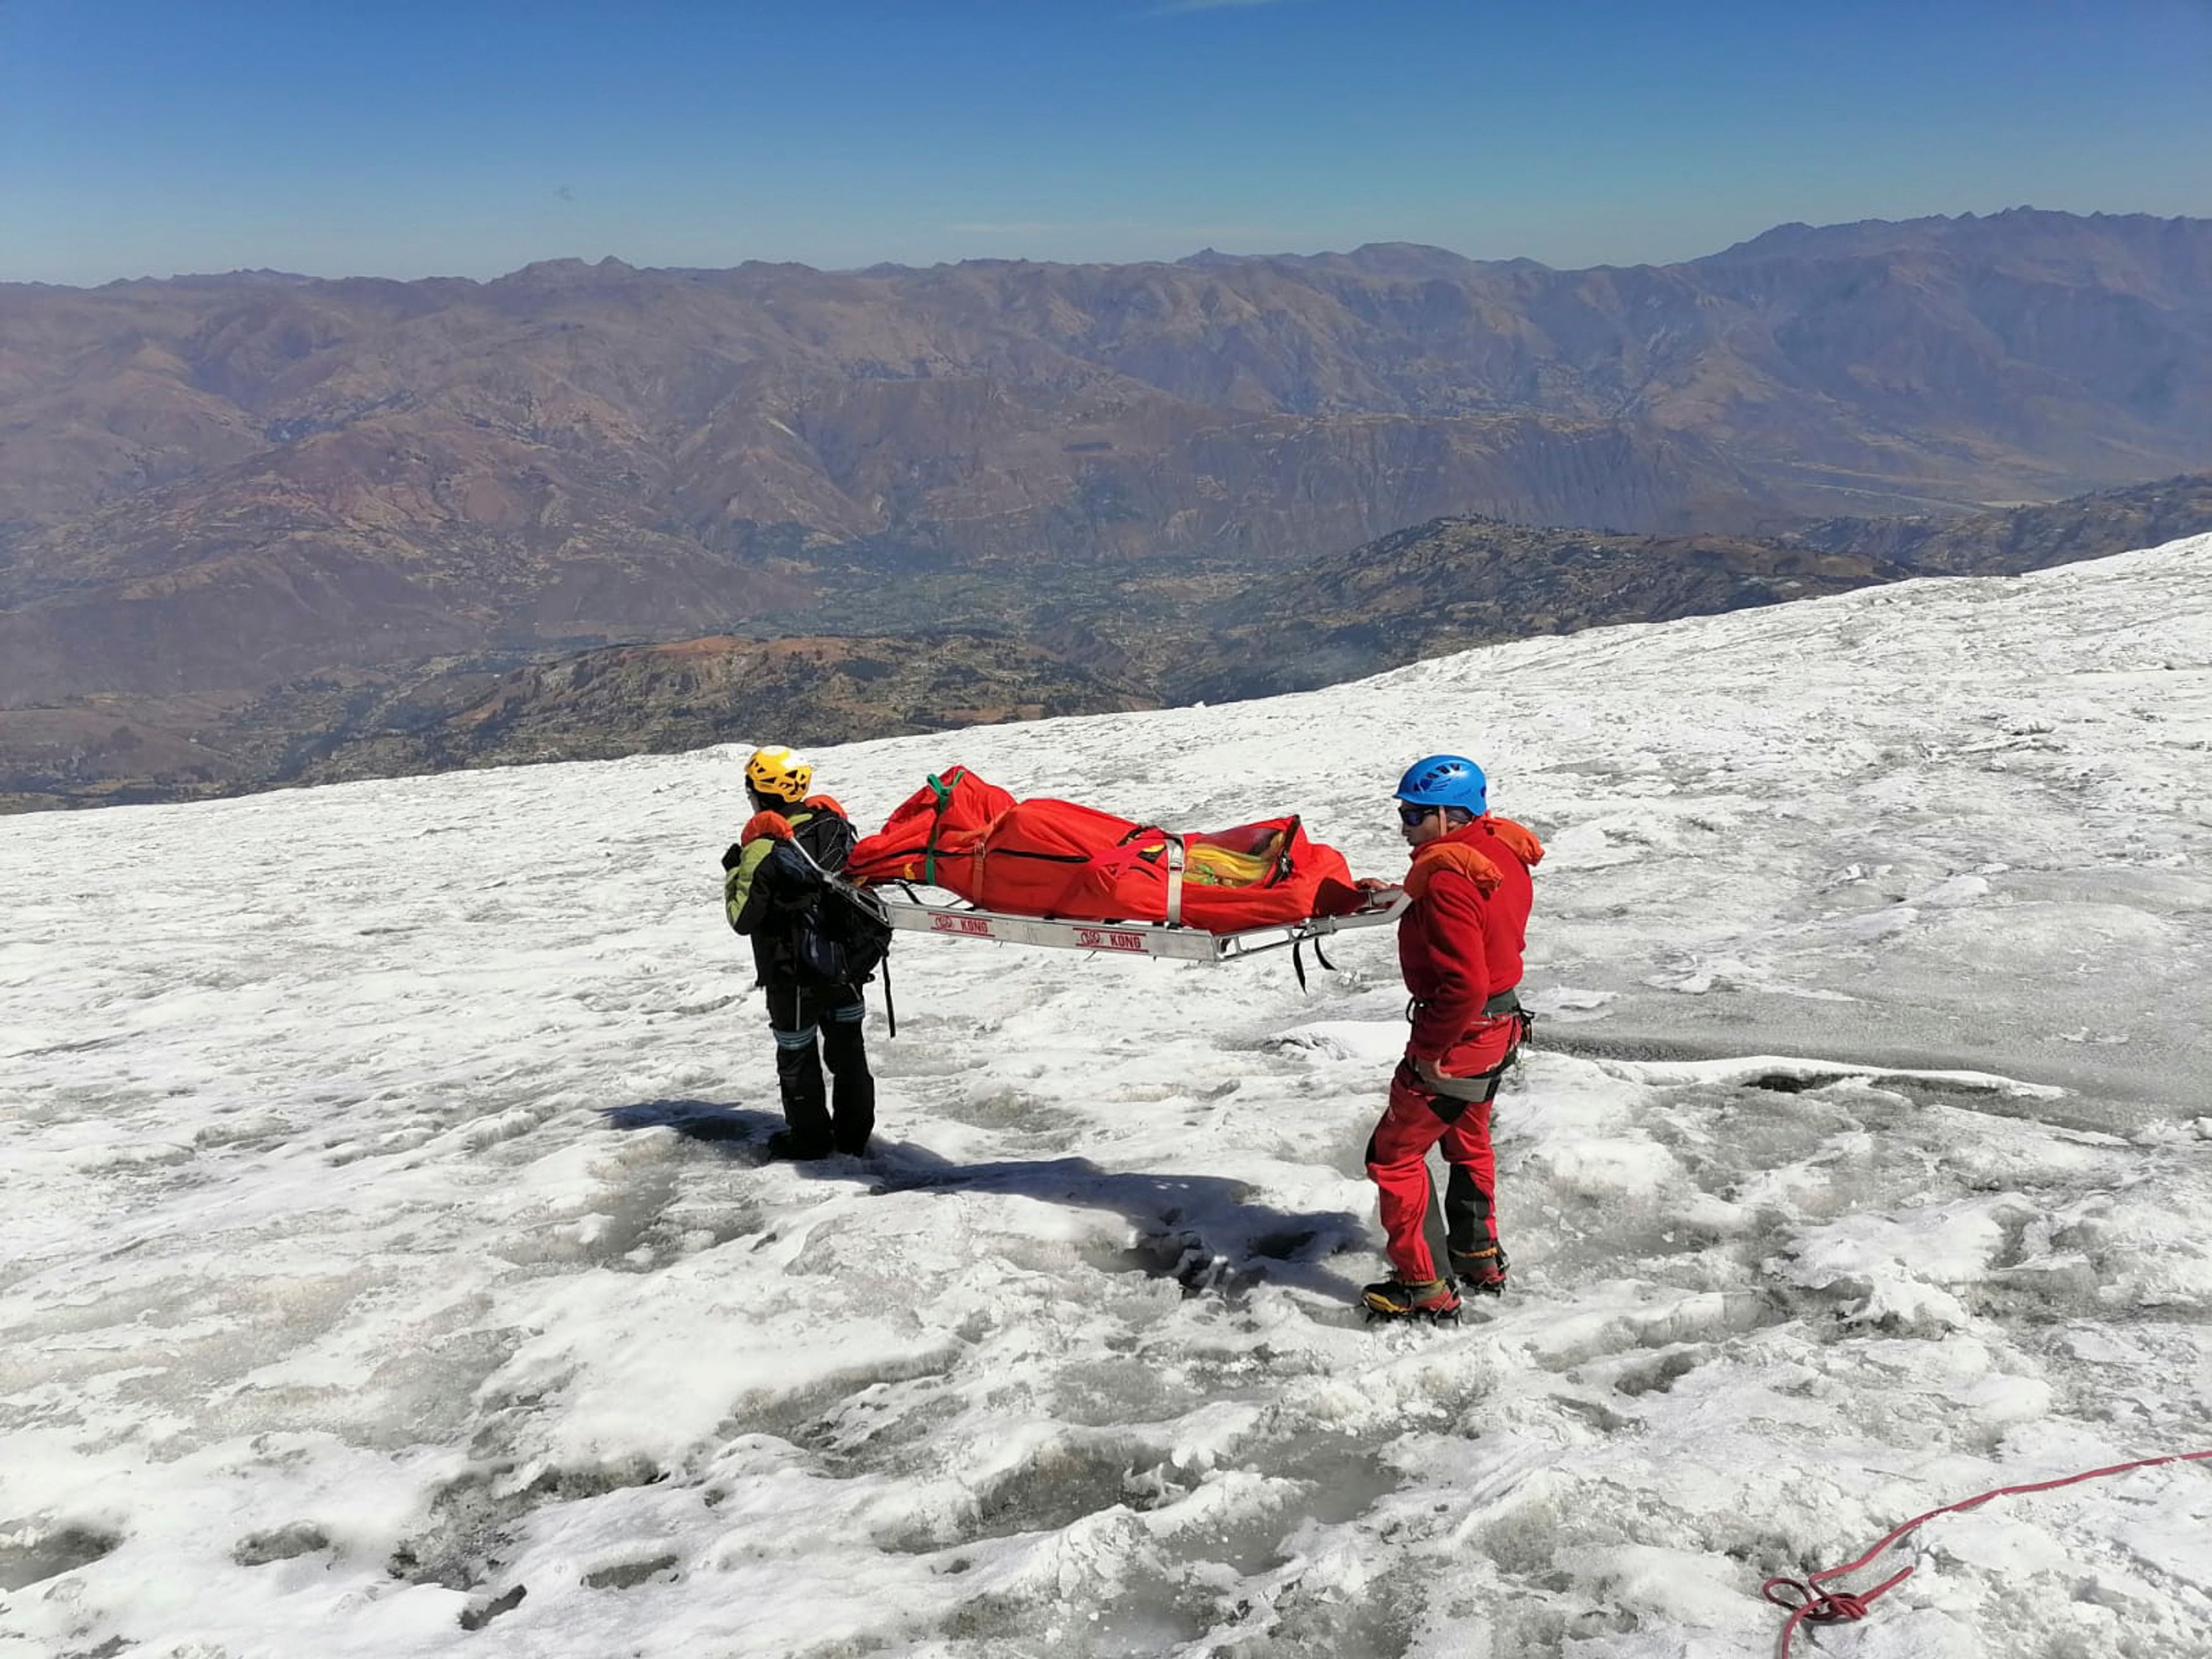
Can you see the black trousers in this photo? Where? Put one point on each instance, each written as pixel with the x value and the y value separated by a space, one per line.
pixel 812 1026
pixel 1469 1224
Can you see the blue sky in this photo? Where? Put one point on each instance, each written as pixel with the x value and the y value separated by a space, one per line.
pixel 469 136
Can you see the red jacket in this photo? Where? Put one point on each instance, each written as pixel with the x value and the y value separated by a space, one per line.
pixel 1461 942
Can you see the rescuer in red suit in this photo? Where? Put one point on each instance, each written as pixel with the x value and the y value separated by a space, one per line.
pixel 1459 947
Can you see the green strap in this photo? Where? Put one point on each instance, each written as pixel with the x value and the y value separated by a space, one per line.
pixel 937 820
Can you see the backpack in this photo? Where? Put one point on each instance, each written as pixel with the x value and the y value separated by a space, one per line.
pixel 839 934
pixel 843 937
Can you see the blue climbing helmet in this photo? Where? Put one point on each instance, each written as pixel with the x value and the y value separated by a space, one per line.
pixel 1445 781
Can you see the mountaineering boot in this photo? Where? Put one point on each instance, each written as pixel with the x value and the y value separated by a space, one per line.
pixel 852 1089
pixel 1481 1272
pixel 1394 1298
pixel 787 1144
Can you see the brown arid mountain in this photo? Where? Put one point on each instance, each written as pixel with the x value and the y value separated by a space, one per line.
pixel 582 454
pixel 1445 585
pixel 214 485
pixel 631 700
pixel 1144 637
pixel 247 521
pixel 595 705
pixel 2006 543
pixel 1456 583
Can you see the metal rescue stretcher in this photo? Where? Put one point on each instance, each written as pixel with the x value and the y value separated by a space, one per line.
pixel 1170 940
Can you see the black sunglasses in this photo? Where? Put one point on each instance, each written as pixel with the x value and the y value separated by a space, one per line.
pixel 1410 816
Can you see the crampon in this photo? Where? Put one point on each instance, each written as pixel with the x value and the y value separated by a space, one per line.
pixel 1394 1298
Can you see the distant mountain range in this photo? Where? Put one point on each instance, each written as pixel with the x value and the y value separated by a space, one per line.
pixel 1456 583
pixel 1148 637
pixel 214 488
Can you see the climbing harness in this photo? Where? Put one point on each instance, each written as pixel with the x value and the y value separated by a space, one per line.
pixel 1476 1087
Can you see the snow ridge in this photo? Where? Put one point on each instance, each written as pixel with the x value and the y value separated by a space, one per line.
pixel 388 1251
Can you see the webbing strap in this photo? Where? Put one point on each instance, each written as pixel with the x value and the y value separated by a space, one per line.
pixel 936 823
pixel 1474 1088
pixel 1505 1002
pixel 1175 878
pixel 1298 967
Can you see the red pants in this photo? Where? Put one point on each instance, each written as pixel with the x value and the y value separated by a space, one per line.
pixel 1398 1163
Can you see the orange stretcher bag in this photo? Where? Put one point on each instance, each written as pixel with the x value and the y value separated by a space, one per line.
pixel 1059 859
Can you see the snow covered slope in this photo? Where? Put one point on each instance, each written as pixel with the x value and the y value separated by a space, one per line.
pixel 389 1268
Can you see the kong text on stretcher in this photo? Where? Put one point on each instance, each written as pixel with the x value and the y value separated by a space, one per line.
pixel 1164 939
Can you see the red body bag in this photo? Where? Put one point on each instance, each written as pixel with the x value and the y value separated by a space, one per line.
pixel 1056 858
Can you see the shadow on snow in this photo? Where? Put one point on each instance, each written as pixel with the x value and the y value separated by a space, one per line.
pixel 1202 1230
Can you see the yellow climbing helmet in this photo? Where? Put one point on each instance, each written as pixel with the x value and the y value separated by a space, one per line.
pixel 780 772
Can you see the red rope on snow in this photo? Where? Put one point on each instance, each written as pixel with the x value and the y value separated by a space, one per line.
pixel 1820 1606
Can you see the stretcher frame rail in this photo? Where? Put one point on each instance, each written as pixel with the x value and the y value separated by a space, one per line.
pixel 1147 939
